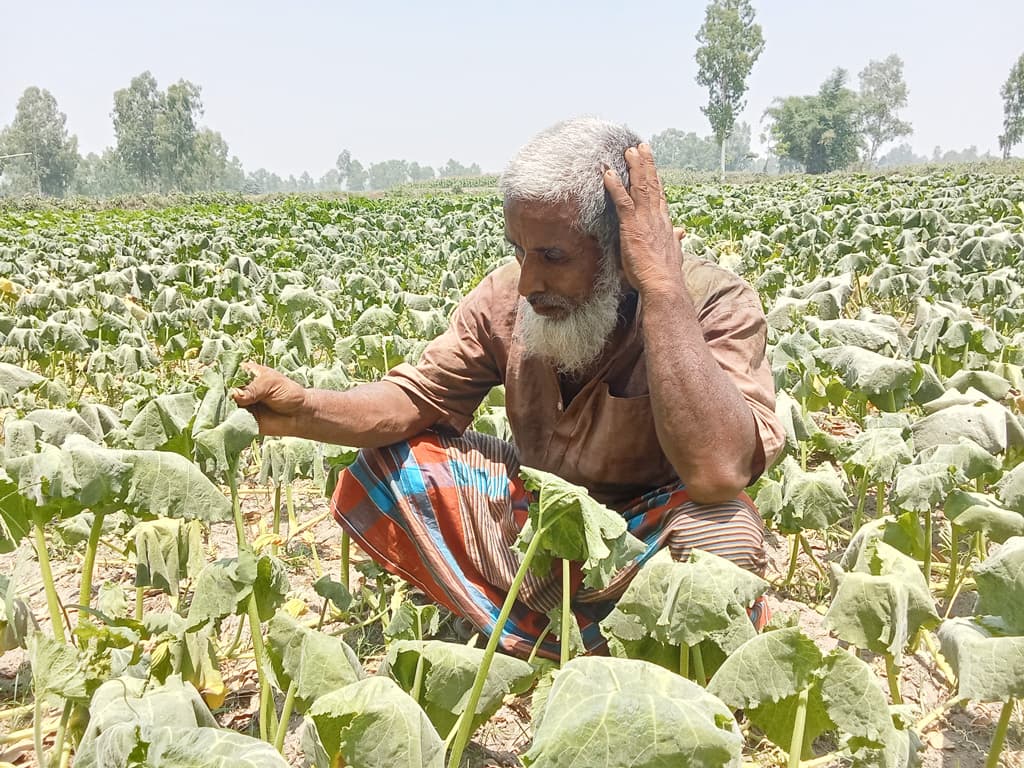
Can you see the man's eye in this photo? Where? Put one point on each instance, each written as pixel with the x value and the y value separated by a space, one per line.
pixel 553 255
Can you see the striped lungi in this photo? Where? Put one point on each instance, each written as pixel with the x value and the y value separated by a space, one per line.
pixel 443 513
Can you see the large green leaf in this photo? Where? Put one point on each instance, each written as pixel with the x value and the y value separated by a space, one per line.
pixel 317 663
pixel 13 380
pixel 922 487
pixel 578 528
pixel 965 455
pixel 883 603
pixel 371 724
pixel 868 372
pixel 161 420
pixel 989 664
pixel 981 512
pixel 166 551
pixel 618 712
pixel 1011 488
pixel 684 603
pixel 811 500
pixel 449 670
pixel 57 668
pixel 879 453
pixel 988 424
pixel 1001 584
pixel 224 442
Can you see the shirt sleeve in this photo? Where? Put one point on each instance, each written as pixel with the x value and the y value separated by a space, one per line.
pixel 459 367
pixel 736 332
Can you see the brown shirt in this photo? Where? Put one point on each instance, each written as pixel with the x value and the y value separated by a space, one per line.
pixel 605 439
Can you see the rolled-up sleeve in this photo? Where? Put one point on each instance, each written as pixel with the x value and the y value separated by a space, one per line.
pixel 459 367
pixel 736 332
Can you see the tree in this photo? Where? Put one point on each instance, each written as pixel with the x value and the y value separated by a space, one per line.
pixel 40 128
pixel 420 173
pixel 901 155
pixel 176 135
pixel 822 132
pixel 883 93
pixel 454 168
pixel 388 174
pixel 351 172
pixel 211 167
pixel 730 44
pixel 687 151
pixel 136 110
pixel 1013 108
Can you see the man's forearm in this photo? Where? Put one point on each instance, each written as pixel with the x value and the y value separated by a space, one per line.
pixel 704 424
pixel 367 416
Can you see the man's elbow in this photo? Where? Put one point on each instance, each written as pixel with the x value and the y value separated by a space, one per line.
pixel 716 485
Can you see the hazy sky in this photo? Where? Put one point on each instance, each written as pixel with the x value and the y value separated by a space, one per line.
pixel 289 85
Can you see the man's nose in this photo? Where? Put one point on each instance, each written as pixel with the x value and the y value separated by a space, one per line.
pixel 530 279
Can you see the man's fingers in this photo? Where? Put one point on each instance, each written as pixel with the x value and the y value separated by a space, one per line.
pixel 617 192
pixel 679 232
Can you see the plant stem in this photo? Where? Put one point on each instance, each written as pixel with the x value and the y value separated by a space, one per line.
pixel 862 496
pixel 935 714
pixel 892 676
pixel 346 551
pixel 37 728
pixel 417 682
pixel 954 560
pixel 563 640
pixel 684 660
pixel 466 724
pixel 794 551
pixel 980 546
pixel 537 645
pixel 257 647
pixel 52 601
pixel 290 501
pixel 140 596
pixel 927 565
pixel 879 500
pixel 85 591
pixel 286 715
pixel 1000 735
pixel 236 505
pixel 806 546
pixel 796 744
pixel 698 666
pixel 62 729
pixel 940 660
pixel 277 515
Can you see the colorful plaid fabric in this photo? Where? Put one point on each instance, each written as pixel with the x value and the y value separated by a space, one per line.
pixel 443 513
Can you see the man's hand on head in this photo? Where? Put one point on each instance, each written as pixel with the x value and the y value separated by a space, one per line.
pixel 272 398
pixel 650 245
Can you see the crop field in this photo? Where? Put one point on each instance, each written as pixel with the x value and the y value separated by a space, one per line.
pixel 173 592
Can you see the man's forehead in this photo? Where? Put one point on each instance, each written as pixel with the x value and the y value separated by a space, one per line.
pixel 525 211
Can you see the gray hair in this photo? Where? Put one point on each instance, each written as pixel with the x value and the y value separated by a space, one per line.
pixel 565 164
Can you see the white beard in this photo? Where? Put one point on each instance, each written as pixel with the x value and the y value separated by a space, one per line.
pixel 572 343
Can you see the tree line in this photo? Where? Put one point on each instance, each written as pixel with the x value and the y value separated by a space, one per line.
pixel 160 146
pixel 834 128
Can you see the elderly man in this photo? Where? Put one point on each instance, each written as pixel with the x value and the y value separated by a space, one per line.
pixel 628 369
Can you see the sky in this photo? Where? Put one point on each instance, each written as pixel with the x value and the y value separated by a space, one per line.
pixel 289 85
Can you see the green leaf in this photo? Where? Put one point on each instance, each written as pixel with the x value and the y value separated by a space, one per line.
pixel 991 384
pixel 56 668
pixel 879 452
pixel 16 619
pixel 811 500
pixel 1011 489
pixel 966 455
pixel 618 712
pixel 883 603
pixel 166 551
pixel 449 670
pixel 334 591
pixel 868 372
pixel 317 663
pixel 981 512
pixel 684 603
pixel 922 487
pixel 371 724
pixel 224 442
pixel 578 528
pixel 412 621
pixel 1000 581
pixel 988 424
pixel 13 380
pixel 161 420
pixel 989 666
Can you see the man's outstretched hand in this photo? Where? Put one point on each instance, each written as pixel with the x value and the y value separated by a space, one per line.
pixel 272 398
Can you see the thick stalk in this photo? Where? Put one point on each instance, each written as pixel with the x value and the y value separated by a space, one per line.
pixel 892 676
pixel 37 729
pixel 806 546
pixel 1000 736
pixel 140 596
pixel 236 505
pixel 346 551
pixel 980 546
pixel 85 591
pixel 52 601
pixel 879 500
pixel 290 503
pixel 257 647
pixel 698 666
pixel 540 641
pixel 466 723
pixel 954 560
pixel 684 660
pixel 286 715
pixel 794 551
pixel 563 640
pixel 417 682
pixel 796 744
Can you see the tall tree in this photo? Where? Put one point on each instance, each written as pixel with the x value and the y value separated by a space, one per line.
pixel 388 174
pixel 176 134
pixel 883 92
pixel 730 43
pixel 136 112
pixel 40 128
pixel 1013 108
pixel 454 168
pixel 821 132
pixel 675 149
pixel 351 172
